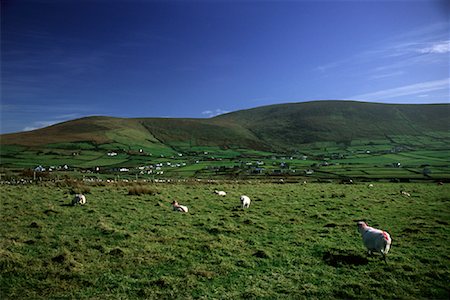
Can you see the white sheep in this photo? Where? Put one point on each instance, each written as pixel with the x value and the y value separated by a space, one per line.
pixel 405 193
pixel 79 199
pixel 179 207
pixel 370 185
pixel 220 193
pixel 375 239
pixel 245 201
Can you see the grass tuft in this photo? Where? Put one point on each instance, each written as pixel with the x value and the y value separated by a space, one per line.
pixel 139 190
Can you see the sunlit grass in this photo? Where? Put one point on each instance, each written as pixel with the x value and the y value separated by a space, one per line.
pixel 295 241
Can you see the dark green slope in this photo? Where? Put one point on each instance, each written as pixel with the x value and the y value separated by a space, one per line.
pixel 202 132
pixel 290 125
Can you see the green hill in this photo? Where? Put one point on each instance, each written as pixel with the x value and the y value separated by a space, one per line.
pixel 277 127
pixel 292 125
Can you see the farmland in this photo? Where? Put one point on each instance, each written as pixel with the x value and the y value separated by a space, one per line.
pixel 400 158
pixel 318 139
pixel 295 241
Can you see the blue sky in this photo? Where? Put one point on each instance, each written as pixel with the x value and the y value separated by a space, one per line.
pixel 68 59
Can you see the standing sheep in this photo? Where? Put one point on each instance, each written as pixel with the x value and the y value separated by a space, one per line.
pixel 79 199
pixel 178 207
pixel 245 201
pixel 375 239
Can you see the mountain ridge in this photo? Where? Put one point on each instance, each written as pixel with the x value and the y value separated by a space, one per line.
pixel 273 127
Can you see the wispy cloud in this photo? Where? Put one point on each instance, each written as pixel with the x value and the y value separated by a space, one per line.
pixel 25 117
pixel 407 90
pixel 420 47
pixel 386 75
pixel 213 113
pixel 437 48
pixel 37 65
pixel 438 30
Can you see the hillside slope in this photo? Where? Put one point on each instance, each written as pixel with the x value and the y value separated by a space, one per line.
pixel 275 127
pixel 338 121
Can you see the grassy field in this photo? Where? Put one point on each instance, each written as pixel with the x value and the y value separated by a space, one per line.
pixel 296 241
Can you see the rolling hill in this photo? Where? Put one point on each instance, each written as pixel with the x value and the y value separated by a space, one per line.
pixel 339 121
pixel 273 128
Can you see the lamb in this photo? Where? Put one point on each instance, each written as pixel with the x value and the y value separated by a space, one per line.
pixel 245 201
pixel 370 185
pixel 79 199
pixel 178 207
pixel 220 193
pixel 375 239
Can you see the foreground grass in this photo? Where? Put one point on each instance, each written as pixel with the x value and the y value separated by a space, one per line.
pixel 295 241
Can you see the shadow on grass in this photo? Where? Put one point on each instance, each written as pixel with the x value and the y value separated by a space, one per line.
pixel 337 257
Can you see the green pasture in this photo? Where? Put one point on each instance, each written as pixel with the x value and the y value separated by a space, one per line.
pixel 296 241
pixel 363 158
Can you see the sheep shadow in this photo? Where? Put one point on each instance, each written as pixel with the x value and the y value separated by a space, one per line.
pixel 338 257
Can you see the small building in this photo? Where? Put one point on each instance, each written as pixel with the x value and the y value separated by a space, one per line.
pixel 309 172
pixel 39 169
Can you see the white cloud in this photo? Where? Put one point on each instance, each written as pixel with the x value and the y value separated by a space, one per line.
pixel 213 113
pixel 407 90
pixel 437 48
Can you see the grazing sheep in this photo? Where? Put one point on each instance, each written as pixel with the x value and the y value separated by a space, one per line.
pixel 178 207
pixel 79 199
pixel 220 193
pixel 245 201
pixel 370 185
pixel 405 193
pixel 375 239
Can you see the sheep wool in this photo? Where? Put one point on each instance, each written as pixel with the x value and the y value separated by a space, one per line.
pixel 79 199
pixel 245 201
pixel 220 193
pixel 375 239
pixel 179 207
